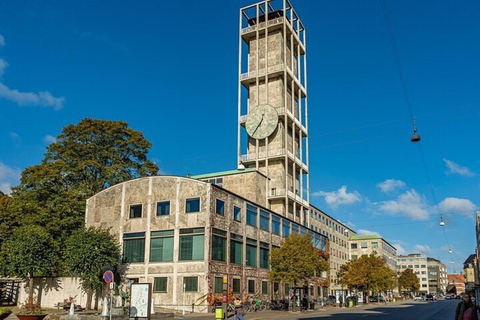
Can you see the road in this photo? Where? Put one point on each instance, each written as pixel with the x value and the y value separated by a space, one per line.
pixel 431 310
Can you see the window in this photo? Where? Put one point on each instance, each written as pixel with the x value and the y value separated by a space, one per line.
pixel 135 211
pixel 160 284
pixel 237 214
pixel 190 284
pixel 264 220
pixel 363 245
pixel 236 249
pixel 374 245
pixel 192 244
pixel 218 285
pixel 220 207
pixel 285 228
pixel 354 256
pixel 161 246
pixel 192 205
pixel 287 288
pixel 134 247
pixel 251 254
pixel 163 208
pixel 219 245
pixel 275 224
pixel 264 254
pixel 275 287
pixel 295 228
pixel 251 215
pixel 264 287
pixel 251 286
pixel 236 285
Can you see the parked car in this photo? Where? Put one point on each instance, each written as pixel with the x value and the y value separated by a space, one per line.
pixel 448 297
pixel 419 298
pixel 429 297
pixel 376 299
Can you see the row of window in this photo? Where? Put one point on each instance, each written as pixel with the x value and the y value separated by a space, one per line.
pixel 363 245
pixel 254 217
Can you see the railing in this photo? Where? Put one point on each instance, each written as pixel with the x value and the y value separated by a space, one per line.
pixel 262 25
pixel 262 154
pixel 183 309
pixel 272 69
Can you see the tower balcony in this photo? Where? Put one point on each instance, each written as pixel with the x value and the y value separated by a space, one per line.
pixel 254 27
pixel 262 155
pixel 248 76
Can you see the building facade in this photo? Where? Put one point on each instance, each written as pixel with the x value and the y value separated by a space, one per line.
pixel 184 235
pixel 367 244
pixel 437 276
pixel 419 264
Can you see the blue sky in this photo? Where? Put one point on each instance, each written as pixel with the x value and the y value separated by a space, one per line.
pixel 170 70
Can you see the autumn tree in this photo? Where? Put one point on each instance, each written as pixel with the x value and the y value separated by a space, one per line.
pixel 87 252
pixel 368 273
pixel 85 159
pixel 297 261
pixel 408 281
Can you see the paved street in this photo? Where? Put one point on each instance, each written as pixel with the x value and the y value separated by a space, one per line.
pixel 432 310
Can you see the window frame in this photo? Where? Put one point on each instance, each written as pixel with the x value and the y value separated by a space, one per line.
pixel 187 206
pixel 163 214
pixel 161 234
pixel 237 214
pixel 194 233
pixel 220 207
pixel 190 287
pixel 155 284
pixel 131 213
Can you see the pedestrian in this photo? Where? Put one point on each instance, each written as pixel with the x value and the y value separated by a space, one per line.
pixel 466 310
pixel 238 309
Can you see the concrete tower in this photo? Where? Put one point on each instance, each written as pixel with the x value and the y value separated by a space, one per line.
pixel 272 104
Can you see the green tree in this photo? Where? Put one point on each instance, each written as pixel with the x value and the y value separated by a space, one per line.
pixel 85 159
pixel 408 281
pixel 87 252
pixel 296 261
pixel 7 221
pixel 30 252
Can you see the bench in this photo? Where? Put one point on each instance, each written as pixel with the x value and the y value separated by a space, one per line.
pixel 59 305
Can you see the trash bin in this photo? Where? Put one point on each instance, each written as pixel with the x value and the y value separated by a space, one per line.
pixel 350 303
pixel 394 299
pixel 219 313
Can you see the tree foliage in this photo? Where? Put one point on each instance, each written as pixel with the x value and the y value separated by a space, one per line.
pixel 29 252
pixel 7 220
pixel 408 281
pixel 296 261
pixel 85 159
pixel 87 252
pixel 368 273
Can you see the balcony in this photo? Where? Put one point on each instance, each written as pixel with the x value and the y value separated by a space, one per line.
pixel 262 155
pixel 262 25
pixel 262 72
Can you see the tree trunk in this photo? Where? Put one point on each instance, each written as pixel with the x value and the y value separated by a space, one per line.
pixel 30 291
pixel 89 299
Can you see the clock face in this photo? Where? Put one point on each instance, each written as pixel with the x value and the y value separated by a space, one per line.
pixel 261 121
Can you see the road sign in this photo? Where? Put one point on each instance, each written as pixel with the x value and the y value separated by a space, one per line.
pixel 111 285
pixel 108 276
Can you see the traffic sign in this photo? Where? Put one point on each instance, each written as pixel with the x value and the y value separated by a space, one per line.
pixel 108 276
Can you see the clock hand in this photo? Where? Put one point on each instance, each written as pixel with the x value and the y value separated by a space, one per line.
pixel 258 125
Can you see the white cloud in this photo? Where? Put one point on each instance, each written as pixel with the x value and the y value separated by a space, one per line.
pixel 391 185
pixel 339 197
pixel 3 65
pixel 365 232
pixel 463 207
pixel 49 139
pixel 410 204
pixel 422 249
pixel 454 168
pixel 13 135
pixel 44 98
pixel 8 177
pixel 400 250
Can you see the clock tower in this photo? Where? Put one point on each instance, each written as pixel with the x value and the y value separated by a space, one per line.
pixel 272 104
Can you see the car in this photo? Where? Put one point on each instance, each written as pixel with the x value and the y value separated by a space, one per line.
pixel 429 297
pixel 448 297
pixel 419 298
pixel 376 299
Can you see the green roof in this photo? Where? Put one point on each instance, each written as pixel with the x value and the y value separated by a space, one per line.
pixel 221 173
pixel 365 237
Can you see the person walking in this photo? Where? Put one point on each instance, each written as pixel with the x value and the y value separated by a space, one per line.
pixel 466 309
pixel 238 310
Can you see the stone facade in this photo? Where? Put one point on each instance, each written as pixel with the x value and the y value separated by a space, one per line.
pixel 136 215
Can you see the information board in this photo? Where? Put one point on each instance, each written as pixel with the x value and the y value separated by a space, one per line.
pixel 140 298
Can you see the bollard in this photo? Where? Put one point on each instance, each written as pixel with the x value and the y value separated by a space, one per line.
pixel 350 303
pixel 193 307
